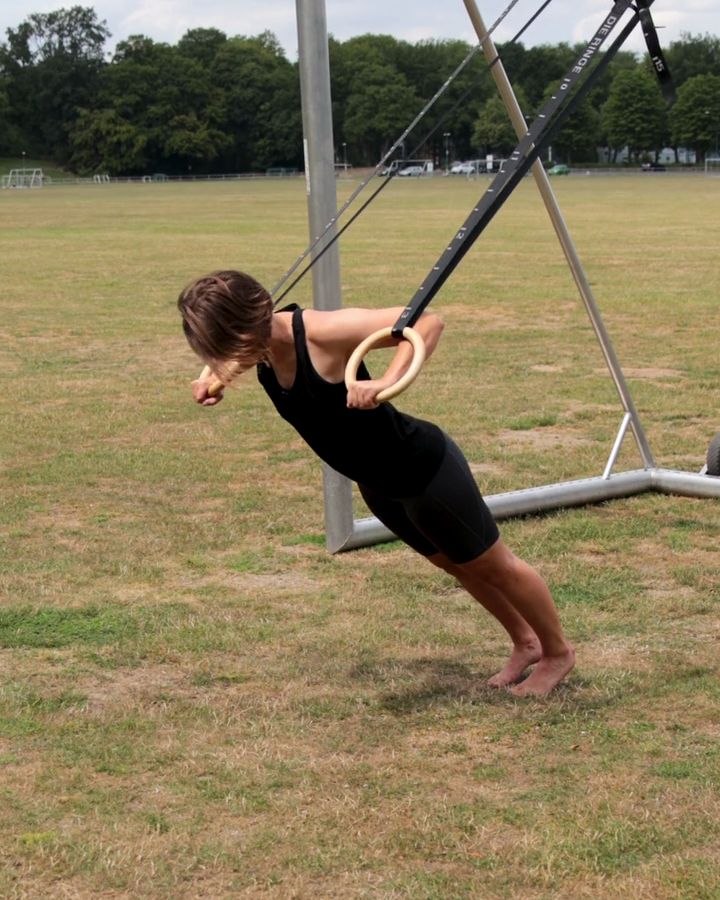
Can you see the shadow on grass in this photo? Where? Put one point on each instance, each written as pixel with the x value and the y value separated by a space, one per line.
pixel 427 682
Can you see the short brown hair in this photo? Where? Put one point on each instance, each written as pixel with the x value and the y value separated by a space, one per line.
pixel 227 316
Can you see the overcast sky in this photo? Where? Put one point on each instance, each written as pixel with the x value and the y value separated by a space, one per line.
pixel 564 20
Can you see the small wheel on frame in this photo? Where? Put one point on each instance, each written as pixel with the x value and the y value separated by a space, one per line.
pixel 713 456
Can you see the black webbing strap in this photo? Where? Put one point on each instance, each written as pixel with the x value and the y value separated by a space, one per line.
pixel 319 253
pixel 400 142
pixel 546 123
pixel 654 49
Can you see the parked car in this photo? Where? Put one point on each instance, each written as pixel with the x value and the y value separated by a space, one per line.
pixel 559 169
pixel 411 172
pixel 462 168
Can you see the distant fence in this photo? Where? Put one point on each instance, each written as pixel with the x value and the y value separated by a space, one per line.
pixel 35 178
pixel 160 178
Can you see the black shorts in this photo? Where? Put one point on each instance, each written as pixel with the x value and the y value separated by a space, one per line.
pixel 449 516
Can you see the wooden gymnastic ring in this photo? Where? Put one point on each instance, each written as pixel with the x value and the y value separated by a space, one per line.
pixel 215 388
pixel 418 358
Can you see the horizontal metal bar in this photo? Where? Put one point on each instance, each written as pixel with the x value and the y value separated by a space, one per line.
pixel 365 532
pixel 522 502
pixel 562 495
pixel 686 484
pixel 569 493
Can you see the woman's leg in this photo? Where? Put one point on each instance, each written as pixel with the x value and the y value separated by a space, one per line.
pixel 451 518
pixel 526 648
pixel 516 595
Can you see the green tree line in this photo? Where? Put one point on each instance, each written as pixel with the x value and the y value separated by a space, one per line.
pixel 218 103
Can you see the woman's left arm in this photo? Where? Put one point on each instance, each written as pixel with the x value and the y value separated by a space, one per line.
pixel 340 332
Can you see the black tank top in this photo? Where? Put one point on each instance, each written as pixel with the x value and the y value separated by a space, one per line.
pixel 381 448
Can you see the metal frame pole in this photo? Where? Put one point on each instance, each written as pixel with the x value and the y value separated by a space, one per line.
pixel 342 531
pixel 318 145
pixel 543 183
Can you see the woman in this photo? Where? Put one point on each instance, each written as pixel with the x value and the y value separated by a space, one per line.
pixel 412 476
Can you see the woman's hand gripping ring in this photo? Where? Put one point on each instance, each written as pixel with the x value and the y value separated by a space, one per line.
pixel 216 386
pixel 418 358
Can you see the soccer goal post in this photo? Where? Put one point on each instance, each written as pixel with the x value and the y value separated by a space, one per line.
pixel 23 178
pixel 712 165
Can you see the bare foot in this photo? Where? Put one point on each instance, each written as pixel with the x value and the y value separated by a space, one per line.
pixel 522 656
pixel 547 675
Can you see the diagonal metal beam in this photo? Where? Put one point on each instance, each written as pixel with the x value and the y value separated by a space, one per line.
pixel 556 217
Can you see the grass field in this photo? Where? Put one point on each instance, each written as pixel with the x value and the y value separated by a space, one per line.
pixel 198 701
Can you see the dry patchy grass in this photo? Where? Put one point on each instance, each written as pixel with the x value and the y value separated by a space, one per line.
pixel 196 700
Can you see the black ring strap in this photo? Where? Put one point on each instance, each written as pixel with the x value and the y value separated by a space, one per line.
pixel 527 151
pixel 654 49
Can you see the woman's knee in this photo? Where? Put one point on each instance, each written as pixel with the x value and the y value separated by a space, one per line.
pixel 496 566
pixel 443 562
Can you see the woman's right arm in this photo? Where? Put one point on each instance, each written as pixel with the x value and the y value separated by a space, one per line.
pixel 201 387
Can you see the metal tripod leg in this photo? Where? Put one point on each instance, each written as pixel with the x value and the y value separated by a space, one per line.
pixel 543 182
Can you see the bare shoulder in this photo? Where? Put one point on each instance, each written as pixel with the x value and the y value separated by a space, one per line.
pixel 349 325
